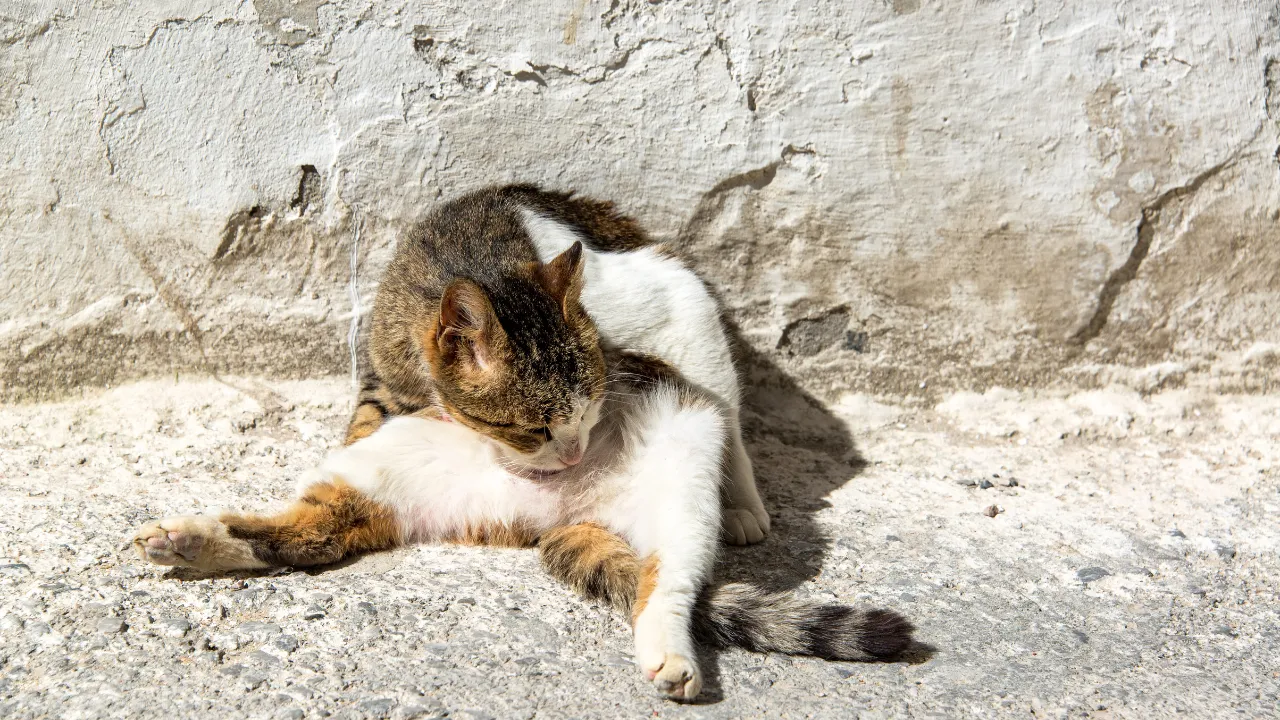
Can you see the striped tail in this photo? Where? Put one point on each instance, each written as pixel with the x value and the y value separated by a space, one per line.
pixel 601 566
pixel 739 615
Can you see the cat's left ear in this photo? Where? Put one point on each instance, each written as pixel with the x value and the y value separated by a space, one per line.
pixel 562 277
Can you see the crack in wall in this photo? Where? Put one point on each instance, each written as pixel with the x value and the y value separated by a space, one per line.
pixel 166 292
pixel 711 203
pixel 1271 87
pixel 1145 234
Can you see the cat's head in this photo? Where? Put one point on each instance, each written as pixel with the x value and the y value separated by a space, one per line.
pixel 520 363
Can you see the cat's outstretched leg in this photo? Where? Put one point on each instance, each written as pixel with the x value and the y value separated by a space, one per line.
pixel 670 512
pixel 745 520
pixel 329 522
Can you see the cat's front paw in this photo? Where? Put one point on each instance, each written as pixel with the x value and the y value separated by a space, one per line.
pixel 677 677
pixel 194 541
pixel 743 526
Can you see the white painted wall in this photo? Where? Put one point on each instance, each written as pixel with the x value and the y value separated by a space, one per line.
pixel 961 179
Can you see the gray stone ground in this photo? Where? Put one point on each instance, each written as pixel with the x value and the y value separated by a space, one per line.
pixel 1131 570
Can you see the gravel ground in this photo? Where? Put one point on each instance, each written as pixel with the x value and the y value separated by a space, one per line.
pixel 1100 554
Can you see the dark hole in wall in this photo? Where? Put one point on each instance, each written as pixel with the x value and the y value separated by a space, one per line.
pixel 310 190
pixel 811 335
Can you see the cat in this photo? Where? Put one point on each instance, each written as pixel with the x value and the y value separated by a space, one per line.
pixel 639 295
pixel 534 431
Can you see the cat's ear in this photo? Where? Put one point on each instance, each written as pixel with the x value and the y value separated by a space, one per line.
pixel 468 330
pixel 562 277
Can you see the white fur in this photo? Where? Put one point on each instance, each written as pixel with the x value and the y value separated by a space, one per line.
pixel 440 477
pixel 669 507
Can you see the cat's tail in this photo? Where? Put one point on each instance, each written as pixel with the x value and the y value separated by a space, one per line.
pixel 602 566
pixel 739 615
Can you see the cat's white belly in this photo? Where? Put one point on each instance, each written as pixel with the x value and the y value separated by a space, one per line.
pixel 441 480
pixel 444 481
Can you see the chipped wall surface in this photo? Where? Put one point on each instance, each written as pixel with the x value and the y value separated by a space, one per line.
pixel 895 197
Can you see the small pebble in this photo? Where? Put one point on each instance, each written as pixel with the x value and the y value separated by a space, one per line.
pixel 173 627
pixel 111 625
pixel 986 485
pixel 287 643
pixel 1090 574
pixel 259 631
pixel 263 659
pixel 993 510
pixel 313 612
pixel 378 707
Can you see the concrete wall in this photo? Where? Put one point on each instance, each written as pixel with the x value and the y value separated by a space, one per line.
pixel 897 197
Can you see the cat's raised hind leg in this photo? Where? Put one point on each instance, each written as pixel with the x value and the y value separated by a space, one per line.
pixel 670 511
pixel 331 521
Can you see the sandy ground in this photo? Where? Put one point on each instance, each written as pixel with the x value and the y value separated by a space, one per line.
pixel 1130 570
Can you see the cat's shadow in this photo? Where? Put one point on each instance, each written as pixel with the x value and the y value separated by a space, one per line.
pixel 801 452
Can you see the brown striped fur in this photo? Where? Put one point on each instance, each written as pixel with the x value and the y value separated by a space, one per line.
pixel 398 382
pixel 330 522
pixel 468 322
pixel 593 561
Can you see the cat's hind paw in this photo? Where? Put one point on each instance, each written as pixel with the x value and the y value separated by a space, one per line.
pixel 744 527
pixel 194 541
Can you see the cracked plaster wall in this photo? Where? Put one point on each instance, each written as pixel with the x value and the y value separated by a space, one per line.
pixel 899 197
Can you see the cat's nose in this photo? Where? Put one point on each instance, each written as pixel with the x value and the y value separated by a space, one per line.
pixel 571 454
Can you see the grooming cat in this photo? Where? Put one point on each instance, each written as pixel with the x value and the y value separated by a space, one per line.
pixel 610 460
pixel 639 296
